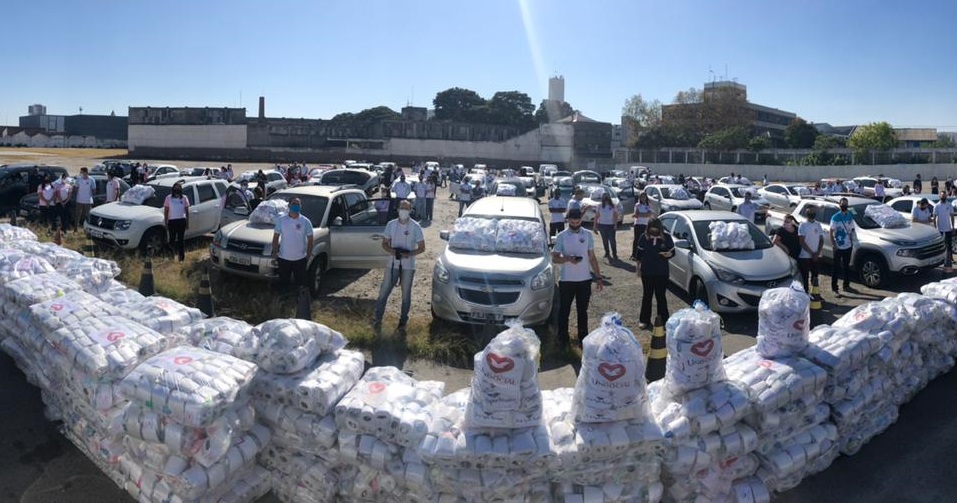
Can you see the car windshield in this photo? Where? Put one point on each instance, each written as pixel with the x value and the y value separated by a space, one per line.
pixel 159 196
pixel 799 190
pixel 344 177
pixel 313 207
pixel 740 191
pixel 566 182
pixel 676 193
pixel 702 229
pixel 863 221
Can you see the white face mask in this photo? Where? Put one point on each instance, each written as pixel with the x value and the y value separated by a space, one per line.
pixel 404 214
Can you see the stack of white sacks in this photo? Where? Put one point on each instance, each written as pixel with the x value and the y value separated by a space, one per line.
pixel 730 236
pixel 607 445
pixel 499 448
pixel 710 449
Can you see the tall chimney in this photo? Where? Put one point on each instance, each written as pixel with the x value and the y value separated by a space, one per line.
pixel 262 107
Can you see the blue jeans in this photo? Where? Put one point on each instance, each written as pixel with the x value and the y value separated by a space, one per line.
pixel 429 207
pixel 388 283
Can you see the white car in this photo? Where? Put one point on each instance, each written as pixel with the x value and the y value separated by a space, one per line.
pixel 131 226
pixel 783 195
pixel 592 200
pixel 729 197
pixel 161 170
pixel 892 186
pixel 665 198
pixel 274 181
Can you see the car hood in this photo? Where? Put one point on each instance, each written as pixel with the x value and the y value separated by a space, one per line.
pixel 248 231
pixel 769 263
pixel 683 204
pixel 916 233
pixel 127 211
pixel 478 262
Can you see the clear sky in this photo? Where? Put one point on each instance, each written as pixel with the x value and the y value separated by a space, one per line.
pixel 837 61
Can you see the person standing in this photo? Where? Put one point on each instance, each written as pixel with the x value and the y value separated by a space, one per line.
pixel 420 190
pixel 176 218
pixel 430 186
pixel 47 202
pixel 607 223
pixel 842 242
pixel 465 195
pixel 655 248
pixel 478 192
pixel 62 197
pixel 787 237
pixel 85 188
pixel 556 208
pixel 811 238
pixel 112 187
pixel 401 189
pixel 572 247
pixel 879 191
pixel 944 218
pixel 934 185
pixel 34 180
pixel 292 242
pixel 403 241
pixel 918 184
pixel 748 209
pixel 643 214
pixel 141 171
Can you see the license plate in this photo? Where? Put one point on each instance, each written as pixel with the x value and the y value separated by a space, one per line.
pixel 481 315
pixel 95 234
pixel 240 259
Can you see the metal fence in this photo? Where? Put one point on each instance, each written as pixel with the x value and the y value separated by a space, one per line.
pixel 785 157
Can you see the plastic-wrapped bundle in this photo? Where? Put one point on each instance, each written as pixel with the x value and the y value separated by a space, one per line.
pixel 784 320
pixel 298 430
pixel 519 236
pixel 32 289
pixel 885 216
pixel 806 454
pixel 490 485
pixel 286 346
pixel 777 383
pixel 22 359
pixel 714 482
pixel 56 255
pixel 567 492
pixel 221 334
pixel 611 384
pixel 59 371
pixel 505 392
pixel 700 411
pixel 166 316
pixel 749 490
pixel 730 236
pixel 874 317
pixel 106 348
pixel 693 337
pixel 389 405
pixel 874 421
pixel 94 275
pixel 67 310
pixel 13 233
pixel 269 211
pixel 946 290
pixel 118 294
pixel 474 234
pixel 299 479
pixel 137 194
pixel 23 267
pixel 192 386
pixel 316 389
pixel 245 486
pixel 361 483
pixel 839 350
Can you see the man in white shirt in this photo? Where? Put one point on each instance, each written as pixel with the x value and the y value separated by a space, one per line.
pixel 944 218
pixel 922 212
pixel 879 191
pixel 404 240
pixel 85 188
pixel 747 209
pixel 401 189
pixel 112 187
pixel 556 207
pixel 420 191
pixel 465 195
pixel 811 238
pixel 292 242
pixel 575 250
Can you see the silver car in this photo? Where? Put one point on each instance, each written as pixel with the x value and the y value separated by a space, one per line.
pixel 729 280
pixel 664 198
pixel 482 285
pixel 729 197
pixel 782 195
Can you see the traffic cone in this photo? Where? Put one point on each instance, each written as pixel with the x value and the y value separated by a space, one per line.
pixel 658 354
pixel 205 301
pixel 304 305
pixel 815 304
pixel 146 280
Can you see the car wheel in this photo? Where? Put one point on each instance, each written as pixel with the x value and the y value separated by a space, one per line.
pixel 707 206
pixel 154 240
pixel 699 291
pixel 872 270
pixel 315 277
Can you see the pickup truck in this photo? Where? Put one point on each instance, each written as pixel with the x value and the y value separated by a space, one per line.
pixel 878 251
pixel 347 232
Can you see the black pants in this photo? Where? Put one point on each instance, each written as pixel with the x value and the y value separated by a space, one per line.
pixel 578 292
pixel 810 268
pixel 62 211
pixel 639 230
pixel 609 239
pixel 48 216
pixel 842 262
pixel 177 233
pixel 554 228
pixel 292 268
pixel 653 285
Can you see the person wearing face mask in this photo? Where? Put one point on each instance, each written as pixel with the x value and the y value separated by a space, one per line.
pixel 47 193
pixel 922 213
pixel 606 223
pixel 787 238
pixel 842 242
pixel 747 209
pixel 401 189
pixel 811 238
pixel 573 247
pixel 643 214
pixel 655 248
pixel 292 242
pixel 556 208
pixel 176 218
pixel 403 241
pixel 85 188
pixel 944 218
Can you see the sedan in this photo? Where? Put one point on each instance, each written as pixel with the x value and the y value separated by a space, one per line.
pixel 727 279
pixel 664 198
pixel 782 195
pixel 592 200
pixel 729 197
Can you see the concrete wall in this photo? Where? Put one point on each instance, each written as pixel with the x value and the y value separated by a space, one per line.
pixel 213 137
pixel 905 172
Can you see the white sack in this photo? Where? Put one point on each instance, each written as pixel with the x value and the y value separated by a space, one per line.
pixel 505 392
pixel 285 346
pixel 106 348
pixel 784 320
pixel 473 234
pixel 221 335
pixel 13 233
pixel 693 338
pixel 269 211
pixel 137 194
pixel 166 316
pixel 16 267
pixel 519 236
pixel 68 310
pixel 94 275
pixel 885 216
pixel 730 236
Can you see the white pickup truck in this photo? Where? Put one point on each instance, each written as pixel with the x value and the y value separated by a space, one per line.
pixel 878 251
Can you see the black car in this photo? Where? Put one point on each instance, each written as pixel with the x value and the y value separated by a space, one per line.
pixel 368 181
pixel 15 182
pixel 29 207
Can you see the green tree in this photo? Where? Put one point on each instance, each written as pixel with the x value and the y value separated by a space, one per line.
pixel 800 134
pixel 640 116
pixel 944 140
pixel 696 115
pixel 376 114
pixel 877 136
pixel 511 108
pixel 759 143
pixel 826 141
pixel 543 115
pixel 727 139
pixel 457 104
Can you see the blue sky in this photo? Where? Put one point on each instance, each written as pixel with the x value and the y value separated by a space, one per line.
pixel 842 62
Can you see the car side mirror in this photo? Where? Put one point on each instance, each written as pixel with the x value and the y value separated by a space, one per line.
pixel 444 235
pixel 684 244
pixel 337 222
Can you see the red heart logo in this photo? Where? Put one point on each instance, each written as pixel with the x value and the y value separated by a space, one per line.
pixel 115 336
pixel 182 360
pixel 499 364
pixel 799 324
pixel 611 371
pixel 703 348
pixel 56 307
pixel 765 364
pixel 376 387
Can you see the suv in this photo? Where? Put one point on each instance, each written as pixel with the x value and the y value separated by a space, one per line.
pixel 472 283
pixel 131 226
pixel 15 182
pixel 347 229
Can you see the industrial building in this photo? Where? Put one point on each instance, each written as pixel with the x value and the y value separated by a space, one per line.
pixel 39 129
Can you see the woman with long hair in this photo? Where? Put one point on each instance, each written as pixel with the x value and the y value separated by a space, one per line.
pixel 606 224
pixel 655 248
pixel 643 213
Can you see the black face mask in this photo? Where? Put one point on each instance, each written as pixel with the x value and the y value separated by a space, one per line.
pixel 810 216
pixel 843 207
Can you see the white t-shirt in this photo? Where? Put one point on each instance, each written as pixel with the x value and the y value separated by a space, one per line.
pixel 879 190
pixel 429 190
pixel 293 236
pixel 84 190
pixel 570 243
pixel 465 192
pixel 747 210
pixel 46 195
pixel 642 209
pixel 943 211
pixel 63 193
pixel 401 189
pixel 177 206
pixel 420 190
pixel 406 236
pixel 812 232
pixel 920 215
pixel 112 190
pixel 557 207
pixel 606 215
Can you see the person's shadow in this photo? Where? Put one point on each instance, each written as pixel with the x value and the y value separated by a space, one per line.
pixel 390 350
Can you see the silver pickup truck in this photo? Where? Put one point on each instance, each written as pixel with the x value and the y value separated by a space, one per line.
pixel 878 251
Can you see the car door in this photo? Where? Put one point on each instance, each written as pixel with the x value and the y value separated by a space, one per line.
pixel 235 206
pixel 773 194
pixel 654 198
pixel 357 228
pixel 204 210
pixel 675 273
pixel 682 264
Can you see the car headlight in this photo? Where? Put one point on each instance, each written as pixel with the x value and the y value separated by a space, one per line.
pixel 123 225
pixel 543 279
pixel 440 273
pixel 907 252
pixel 728 276
pixel 218 239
